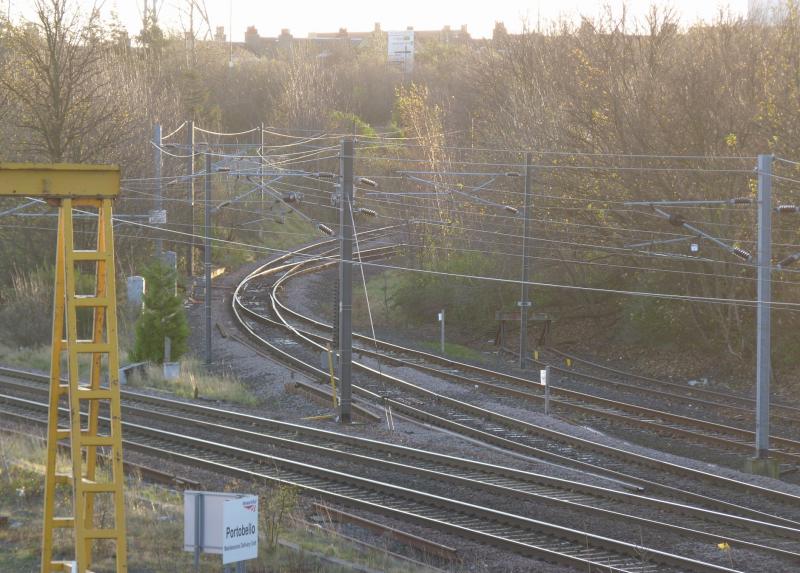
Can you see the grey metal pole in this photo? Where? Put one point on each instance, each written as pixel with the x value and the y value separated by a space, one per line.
pixel 157 162
pixel 442 330
pixel 192 247
pixel 261 167
pixel 207 256
pixel 524 303
pixel 763 329
pixel 346 279
pixel 547 390
pixel 198 529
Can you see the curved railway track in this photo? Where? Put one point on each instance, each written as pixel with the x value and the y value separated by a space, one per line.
pixel 496 429
pixel 654 505
pixel 723 436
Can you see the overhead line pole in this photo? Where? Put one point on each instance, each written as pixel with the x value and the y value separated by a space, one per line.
pixel 207 257
pixel 261 165
pixel 524 303
pixel 764 295
pixel 157 162
pixel 346 278
pixel 193 245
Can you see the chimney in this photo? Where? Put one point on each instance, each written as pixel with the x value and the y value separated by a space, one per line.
pixel 377 27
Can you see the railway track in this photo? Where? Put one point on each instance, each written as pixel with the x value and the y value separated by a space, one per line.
pixel 509 433
pixel 736 406
pixel 723 436
pixel 697 516
pixel 594 499
pixel 504 530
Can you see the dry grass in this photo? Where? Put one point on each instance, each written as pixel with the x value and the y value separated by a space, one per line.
pixel 154 518
pixel 195 382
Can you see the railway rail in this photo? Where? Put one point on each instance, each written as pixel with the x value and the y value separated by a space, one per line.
pixel 719 435
pixel 512 532
pixel 632 497
pixel 503 431
pixel 603 502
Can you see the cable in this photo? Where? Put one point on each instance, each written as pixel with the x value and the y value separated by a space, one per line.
pixel 180 127
pixel 200 129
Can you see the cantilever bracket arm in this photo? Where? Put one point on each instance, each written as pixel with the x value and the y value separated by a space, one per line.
pixel 59 180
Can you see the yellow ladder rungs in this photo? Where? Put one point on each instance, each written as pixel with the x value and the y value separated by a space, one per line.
pixel 63 389
pixel 64 478
pixel 96 441
pixel 63 434
pixel 61 566
pixel 85 301
pixel 64 522
pixel 95 487
pixel 89 394
pixel 91 347
pixel 89 256
pixel 101 534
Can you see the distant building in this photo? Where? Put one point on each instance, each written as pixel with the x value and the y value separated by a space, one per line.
pixel 219 35
pixel 767 11
pixel 263 45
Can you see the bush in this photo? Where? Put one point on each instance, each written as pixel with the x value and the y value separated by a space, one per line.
pixel 27 308
pixel 163 316
pixel 467 302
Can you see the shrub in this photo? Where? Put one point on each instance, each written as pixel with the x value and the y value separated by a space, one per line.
pixel 163 316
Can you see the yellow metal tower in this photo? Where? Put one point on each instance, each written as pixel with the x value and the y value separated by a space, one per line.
pixel 85 330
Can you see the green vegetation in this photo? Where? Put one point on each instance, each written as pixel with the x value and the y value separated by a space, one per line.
pixel 453 350
pixel 195 382
pixel 281 229
pixel 31 358
pixel 163 316
pixel 154 518
pixel 469 304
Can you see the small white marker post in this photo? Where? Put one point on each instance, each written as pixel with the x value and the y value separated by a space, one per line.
pixel 544 380
pixel 441 321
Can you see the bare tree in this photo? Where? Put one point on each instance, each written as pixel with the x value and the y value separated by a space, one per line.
pixel 54 72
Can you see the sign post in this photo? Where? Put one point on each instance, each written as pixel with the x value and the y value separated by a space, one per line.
pixel 441 323
pixel 544 377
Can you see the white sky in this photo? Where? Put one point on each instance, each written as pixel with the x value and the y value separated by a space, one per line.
pixel 304 16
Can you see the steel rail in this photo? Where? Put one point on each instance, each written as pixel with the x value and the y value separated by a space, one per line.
pixel 602 502
pixel 520 534
pixel 781 411
pixel 730 437
pixel 526 428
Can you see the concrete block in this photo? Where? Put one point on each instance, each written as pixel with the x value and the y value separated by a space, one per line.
pixel 763 467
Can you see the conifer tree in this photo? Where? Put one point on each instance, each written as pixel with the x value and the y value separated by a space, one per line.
pixel 163 316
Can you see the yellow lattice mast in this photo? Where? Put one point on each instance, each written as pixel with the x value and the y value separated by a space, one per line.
pixel 91 422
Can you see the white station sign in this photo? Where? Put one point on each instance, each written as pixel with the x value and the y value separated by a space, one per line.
pixel 221 522
pixel 240 529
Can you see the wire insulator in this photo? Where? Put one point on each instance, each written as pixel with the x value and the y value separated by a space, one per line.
pixel 367 212
pixel 292 197
pixel 324 175
pixel 325 229
pixel 787 209
pixel 367 182
pixel 677 220
pixel 741 201
pixel 512 174
pixel 511 209
pixel 742 254
pixel 789 261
